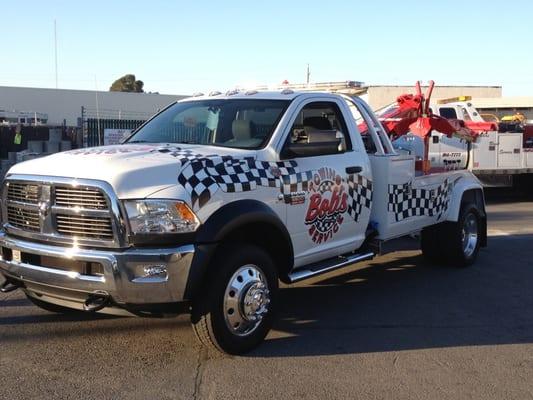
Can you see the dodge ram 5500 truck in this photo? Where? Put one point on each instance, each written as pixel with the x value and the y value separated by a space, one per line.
pixel 216 198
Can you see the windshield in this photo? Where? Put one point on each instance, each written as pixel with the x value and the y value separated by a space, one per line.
pixel 246 124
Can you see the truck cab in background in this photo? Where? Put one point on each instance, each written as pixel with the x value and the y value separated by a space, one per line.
pixel 496 156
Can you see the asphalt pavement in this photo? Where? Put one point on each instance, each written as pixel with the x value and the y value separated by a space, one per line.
pixel 395 328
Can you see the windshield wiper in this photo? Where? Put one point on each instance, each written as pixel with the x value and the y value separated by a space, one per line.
pixel 137 141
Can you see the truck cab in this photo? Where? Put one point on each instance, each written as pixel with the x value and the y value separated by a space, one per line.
pixel 459 108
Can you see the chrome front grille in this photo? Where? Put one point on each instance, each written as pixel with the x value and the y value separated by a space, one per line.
pixel 86 227
pixel 88 198
pixel 23 219
pixel 62 210
pixel 24 192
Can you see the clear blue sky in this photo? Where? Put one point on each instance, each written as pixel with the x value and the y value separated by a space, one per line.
pixel 187 46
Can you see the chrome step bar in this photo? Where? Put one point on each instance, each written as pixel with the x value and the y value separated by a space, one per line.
pixel 333 264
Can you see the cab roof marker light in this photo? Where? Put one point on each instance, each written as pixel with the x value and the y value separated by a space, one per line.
pixel 287 91
pixel 454 99
pixel 215 93
pixel 250 92
pixel 232 92
pixel 197 94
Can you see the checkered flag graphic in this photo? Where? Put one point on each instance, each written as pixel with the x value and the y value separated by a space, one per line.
pixel 296 181
pixel 442 199
pixel 260 173
pixel 405 202
pixel 325 186
pixel 324 225
pixel 203 175
pixel 359 195
pixel 198 183
pixel 183 155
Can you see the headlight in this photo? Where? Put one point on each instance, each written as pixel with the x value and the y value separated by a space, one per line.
pixel 160 216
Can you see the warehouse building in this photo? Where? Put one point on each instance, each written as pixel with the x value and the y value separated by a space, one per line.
pixel 379 96
pixel 505 106
pixel 67 107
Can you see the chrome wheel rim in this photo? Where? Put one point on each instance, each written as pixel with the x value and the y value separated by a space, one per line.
pixel 246 300
pixel 469 235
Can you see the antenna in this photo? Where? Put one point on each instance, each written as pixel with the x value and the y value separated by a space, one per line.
pixel 308 73
pixel 55 46
pixel 97 110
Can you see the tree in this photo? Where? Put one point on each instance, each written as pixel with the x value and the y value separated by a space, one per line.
pixel 127 84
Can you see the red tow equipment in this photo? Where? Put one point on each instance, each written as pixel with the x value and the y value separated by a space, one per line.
pixel 413 114
pixel 416 116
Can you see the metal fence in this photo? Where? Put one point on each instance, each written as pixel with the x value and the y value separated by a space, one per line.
pixel 96 121
pixel 94 128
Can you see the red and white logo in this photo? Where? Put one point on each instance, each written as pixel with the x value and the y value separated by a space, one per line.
pixel 327 204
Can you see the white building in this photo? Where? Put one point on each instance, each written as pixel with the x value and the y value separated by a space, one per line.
pixel 64 105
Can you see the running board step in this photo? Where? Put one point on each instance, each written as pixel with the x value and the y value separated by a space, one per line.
pixel 327 266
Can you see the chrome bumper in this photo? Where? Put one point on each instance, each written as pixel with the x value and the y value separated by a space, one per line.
pixel 124 277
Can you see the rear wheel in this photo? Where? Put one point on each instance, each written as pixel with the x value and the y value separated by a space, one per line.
pixel 454 243
pixel 234 312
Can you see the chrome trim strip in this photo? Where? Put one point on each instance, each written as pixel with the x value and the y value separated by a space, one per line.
pixel 84 212
pixel 302 274
pixel 65 274
pixel 22 205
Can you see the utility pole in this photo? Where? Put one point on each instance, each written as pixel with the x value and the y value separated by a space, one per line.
pixel 97 110
pixel 55 47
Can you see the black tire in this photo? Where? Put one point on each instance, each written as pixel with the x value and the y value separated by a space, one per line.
pixel 430 244
pixel 444 243
pixel 53 307
pixel 213 312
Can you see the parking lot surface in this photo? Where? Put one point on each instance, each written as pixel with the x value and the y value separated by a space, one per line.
pixel 394 328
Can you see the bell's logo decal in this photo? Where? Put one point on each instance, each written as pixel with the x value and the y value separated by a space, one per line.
pixel 327 204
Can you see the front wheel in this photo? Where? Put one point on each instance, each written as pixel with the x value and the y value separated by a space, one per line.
pixel 234 311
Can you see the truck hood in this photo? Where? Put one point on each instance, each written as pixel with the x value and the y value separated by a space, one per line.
pixel 134 170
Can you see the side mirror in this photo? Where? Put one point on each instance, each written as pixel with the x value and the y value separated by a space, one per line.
pixel 292 150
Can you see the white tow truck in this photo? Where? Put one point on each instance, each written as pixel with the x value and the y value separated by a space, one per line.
pixel 216 198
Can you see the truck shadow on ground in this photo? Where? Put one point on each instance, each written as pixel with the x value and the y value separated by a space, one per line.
pixel 398 303
pixel 402 303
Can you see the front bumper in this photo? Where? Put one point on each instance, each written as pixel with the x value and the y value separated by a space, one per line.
pixel 123 279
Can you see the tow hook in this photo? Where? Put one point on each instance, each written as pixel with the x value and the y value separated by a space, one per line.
pixel 9 286
pixel 96 301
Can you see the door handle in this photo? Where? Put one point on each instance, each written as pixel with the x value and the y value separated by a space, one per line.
pixel 353 170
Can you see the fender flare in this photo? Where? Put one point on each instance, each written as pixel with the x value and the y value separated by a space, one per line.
pixel 460 187
pixel 236 214
pixel 222 223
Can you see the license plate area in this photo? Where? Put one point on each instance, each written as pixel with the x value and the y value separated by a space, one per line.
pixel 63 264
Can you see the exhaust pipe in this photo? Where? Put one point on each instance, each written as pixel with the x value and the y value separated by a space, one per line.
pixel 96 301
pixel 9 286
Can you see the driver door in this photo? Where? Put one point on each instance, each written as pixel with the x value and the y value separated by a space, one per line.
pixel 329 209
